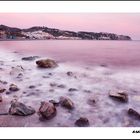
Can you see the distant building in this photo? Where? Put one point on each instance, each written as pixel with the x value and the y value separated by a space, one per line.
pixel 3 35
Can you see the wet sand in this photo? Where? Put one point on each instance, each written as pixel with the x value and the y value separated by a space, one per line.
pixel 91 82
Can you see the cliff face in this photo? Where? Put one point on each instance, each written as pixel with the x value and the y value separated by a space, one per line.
pixel 50 33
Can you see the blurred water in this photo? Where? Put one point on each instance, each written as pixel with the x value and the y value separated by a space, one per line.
pixel 99 66
pixel 116 53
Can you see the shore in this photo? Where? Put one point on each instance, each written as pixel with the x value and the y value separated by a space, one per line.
pixel 83 85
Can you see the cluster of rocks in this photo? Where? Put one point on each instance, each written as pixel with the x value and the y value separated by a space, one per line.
pixel 48 109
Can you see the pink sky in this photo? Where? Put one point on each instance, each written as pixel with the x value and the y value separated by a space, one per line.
pixel 127 24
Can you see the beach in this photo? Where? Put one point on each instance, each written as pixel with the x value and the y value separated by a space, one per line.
pixel 86 77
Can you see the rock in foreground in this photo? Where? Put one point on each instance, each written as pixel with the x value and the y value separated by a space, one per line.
pixel 46 63
pixel 134 113
pixel 47 111
pixel 120 96
pixel 66 102
pixel 82 122
pixel 20 109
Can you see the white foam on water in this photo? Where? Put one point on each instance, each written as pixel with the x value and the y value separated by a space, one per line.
pixel 95 79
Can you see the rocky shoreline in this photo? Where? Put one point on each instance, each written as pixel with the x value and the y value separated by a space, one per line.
pixel 41 92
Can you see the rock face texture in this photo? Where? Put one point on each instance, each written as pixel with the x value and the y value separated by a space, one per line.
pixel 66 102
pixel 20 109
pixel 120 96
pixel 38 32
pixel 47 111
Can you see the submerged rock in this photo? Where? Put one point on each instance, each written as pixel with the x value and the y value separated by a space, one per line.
pixel 8 92
pixel 3 82
pixel 31 86
pixel 47 111
pixel 53 84
pixel 120 96
pixel 73 89
pixel 46 63
pixel 20 75
pixel 66 102
pixel 134 113
pixel 30 58
pixel 82 122
pixel 91 101
pixel 87 91
pixel 2 90
pixel 69 73
pixel 20 109
pixel 61 86
pixel 13 87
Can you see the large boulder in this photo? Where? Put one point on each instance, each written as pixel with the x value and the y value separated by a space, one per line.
pixel 66 102
pixel 46 63
pixel 82 122
pixel 18 108
pixel 47 111
pixel 121 96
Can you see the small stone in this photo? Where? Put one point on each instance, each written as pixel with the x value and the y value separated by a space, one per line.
pixel 134 113
pixel 55 103
pixel 53 84
pixel 50 74
pixel 20 75
pixel 8 92
pixel 30 58
pixel 66 102
pixel 46 63
pixel 82 122
pixel 69 73
pixel 32 86
pixel 120 96
pixel 2 90
pixel 72 89
pixel 13 87
pixel 61 86
pixel 20 109
pixel 47 111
